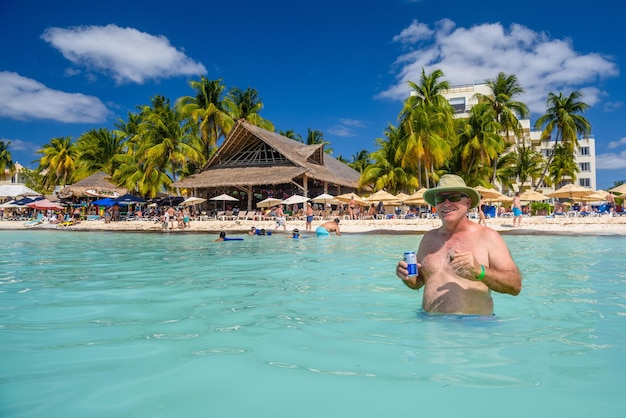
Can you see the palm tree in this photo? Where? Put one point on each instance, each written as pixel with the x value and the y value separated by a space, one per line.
pixel 161 149
pixel 246 105
pixel 360 161
pixel 427 122
pixel 507 111
pixel 522 164
pixel 563 165
pixel 6 160
pixel 315 137
pixel 291 135
pixel 480 140
pixel 386 172
pixel 58 161
pixel 97 151
pixel 564 115
pixel 208 110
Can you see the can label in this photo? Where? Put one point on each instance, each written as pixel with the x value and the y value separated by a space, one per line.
pixel 411 260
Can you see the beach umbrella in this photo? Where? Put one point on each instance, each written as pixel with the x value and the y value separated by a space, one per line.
pixel 129 199
pixel 168 201
pixel 597 196
pixel 268 203
pixel 15 190
pixel 106 202
pixel 416 198
pixel 193 200
pixel 532 195
pixel 10 205
pixel 295 199
pixel 224 197
pixel 619 189
pixel 346 197
pixel 325 198
pixel 44 204
pixel 382 196
pixel 26 200
pixel 571 191
pixel 488 193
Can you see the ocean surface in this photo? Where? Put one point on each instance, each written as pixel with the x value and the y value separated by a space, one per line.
pixel 111 324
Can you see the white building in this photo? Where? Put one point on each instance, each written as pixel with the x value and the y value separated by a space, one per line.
pixel 463 98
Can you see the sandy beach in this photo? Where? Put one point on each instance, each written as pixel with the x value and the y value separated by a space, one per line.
pixel 538 225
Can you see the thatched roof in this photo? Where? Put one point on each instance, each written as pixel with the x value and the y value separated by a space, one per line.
pixel 98 182
pixel 254 156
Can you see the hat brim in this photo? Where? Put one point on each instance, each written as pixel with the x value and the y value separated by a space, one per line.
pixel 429 195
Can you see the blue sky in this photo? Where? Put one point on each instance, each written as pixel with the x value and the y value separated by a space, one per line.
pixel 340 67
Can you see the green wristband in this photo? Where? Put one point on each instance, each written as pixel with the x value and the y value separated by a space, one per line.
pixel 481 276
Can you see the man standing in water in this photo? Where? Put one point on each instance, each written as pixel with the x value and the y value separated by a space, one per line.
pixel 461 262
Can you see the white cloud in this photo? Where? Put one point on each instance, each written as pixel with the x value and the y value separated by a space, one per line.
pixel 346 127
pixel 23 99
pixel 615 144
pixel 611 161
pixel 127 54
pixel 17 145
pixel 542 65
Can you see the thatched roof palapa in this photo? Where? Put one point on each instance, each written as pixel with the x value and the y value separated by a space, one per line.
pixel 97 182
pixel 253 156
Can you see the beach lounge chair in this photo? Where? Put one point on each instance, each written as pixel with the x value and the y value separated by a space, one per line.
pixel 37 221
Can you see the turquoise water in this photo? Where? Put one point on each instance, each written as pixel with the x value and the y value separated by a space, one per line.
pixel 97 324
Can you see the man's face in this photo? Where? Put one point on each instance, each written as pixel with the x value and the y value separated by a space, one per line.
pixel 452 205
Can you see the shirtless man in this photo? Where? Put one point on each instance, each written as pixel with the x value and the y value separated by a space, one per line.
pixel 326 228
pixel 461 262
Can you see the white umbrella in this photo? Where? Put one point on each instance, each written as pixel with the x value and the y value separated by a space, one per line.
pixel 295 199
pixel 224 197
pixel 192 201
pixel 325 198
pixel 268 203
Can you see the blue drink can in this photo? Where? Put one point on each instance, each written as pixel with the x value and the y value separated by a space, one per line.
pixel 411 260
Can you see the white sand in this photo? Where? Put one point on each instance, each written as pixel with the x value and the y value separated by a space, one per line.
pixel 603 225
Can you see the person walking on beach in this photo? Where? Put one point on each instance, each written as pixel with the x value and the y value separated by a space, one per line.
pixel 326 228
pixel 280 218
pixel 309 217
pixel 517 210
pixel 460 263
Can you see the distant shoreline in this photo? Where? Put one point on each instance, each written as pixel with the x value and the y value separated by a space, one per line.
pixel 589 226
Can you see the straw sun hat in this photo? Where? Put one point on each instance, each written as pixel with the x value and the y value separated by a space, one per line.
pixel 451 183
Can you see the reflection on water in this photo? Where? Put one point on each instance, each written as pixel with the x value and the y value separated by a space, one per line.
pixel 115 324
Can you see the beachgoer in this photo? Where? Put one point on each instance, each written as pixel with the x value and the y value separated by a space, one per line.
pixel 380 208
pixel 517 210
pixel 280 218
pixel 222 236
pixel 326 228
pixel 461 262
pixel 253 231
pixel 295 234
pixel 309 216
pixel 351 208
pixel 481 212
pixel 372 211
pixel 610 199
pixel 171 215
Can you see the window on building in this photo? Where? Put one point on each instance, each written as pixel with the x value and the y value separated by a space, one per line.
pixel 458 103
pixel 585 166
pixel 584 150
pixel 584 182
